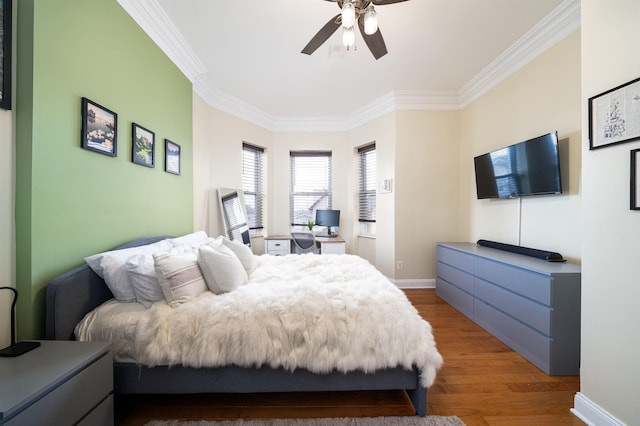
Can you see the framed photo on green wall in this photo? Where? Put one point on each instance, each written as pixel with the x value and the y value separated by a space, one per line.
pixel 5 54
pixel 99 128
pixel 171 157
pixel 143 146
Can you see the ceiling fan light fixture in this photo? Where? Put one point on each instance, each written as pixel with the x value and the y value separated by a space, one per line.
pixel 348 37
pixel 370 21
pixel 348 14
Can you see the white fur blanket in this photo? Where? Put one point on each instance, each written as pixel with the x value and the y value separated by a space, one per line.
pixel 321 313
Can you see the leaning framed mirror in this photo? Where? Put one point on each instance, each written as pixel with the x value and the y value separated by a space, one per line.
pixel 234 215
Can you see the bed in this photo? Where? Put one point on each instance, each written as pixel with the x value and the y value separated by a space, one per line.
pixel 321 307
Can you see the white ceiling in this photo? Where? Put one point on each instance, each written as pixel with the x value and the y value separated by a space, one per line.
pixel 244 56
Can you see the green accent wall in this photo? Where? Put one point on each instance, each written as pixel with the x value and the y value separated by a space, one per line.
pixel 72 202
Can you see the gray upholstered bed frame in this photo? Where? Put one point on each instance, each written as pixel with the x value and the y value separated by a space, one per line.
pixel 72 295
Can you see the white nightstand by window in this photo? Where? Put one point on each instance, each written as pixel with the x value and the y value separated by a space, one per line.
pixel 278 245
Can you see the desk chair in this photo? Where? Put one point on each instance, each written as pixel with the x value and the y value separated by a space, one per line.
pixel 304 242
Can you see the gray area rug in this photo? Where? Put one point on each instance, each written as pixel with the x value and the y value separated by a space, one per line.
pixel 345 421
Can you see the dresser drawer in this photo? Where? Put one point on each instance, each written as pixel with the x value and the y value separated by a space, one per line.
pixel 455 276
pixel 69 402
pixel 278 247
pixel 528 342
pixel 455 297
pixel 461 260
pixel 526 283
pixel 525 310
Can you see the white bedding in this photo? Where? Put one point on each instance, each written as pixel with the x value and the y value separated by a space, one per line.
pixel 318 312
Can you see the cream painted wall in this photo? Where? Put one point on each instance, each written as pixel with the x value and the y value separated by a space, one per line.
pixel 543 96
pixel 426 188
pixel 383 131
pixel 610 281
pixel 217 162
pixel 7 236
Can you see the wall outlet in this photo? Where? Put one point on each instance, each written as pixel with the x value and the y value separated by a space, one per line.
pixel 399 264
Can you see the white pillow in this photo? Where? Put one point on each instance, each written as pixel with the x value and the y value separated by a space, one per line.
pixel 222 270
pixel 179 276
pixel 244 253
pixel 110 266
pixel 142 275
pixel 194 239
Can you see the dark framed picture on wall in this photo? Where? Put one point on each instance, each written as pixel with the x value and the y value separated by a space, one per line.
pixel 99 128
pixel 171 157
pixel 635 179
pixel 5 54
pixel 143 145
pixel 614 115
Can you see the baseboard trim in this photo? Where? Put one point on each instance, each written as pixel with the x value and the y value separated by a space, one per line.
pixel 591 413
pixel 415 283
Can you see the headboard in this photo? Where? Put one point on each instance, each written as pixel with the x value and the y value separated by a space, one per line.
pixel 74 294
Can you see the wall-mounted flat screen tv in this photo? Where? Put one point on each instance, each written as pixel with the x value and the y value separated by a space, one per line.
pixel 527 168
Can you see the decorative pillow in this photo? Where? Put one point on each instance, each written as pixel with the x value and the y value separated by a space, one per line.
pixel 179 276
pixel 222 270
pixel 142 275
pixel 244 253
pixel 195 239
pixel 110 266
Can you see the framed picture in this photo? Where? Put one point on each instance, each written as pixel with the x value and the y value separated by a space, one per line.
pixel 171 157
pixel 143 143
pixel 614 115
pixel 635 179
pixel 99 128
pixel 5 54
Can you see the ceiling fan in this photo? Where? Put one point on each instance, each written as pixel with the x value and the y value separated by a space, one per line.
pixel 361 12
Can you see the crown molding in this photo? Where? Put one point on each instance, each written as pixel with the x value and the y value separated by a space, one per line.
pixel 149 15
pixel 154 21
pixel 561 22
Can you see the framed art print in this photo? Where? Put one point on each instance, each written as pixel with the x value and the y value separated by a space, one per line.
pixel 5 54
pixel 614 115
pixel 143 142
pixel 171 157
pixel 635 179
pixel 99 128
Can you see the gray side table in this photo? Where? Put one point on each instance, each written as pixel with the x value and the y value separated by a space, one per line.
pixel 58 383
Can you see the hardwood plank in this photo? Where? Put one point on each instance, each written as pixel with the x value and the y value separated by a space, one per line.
pixel 483 382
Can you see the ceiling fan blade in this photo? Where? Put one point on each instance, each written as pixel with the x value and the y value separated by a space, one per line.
pixel 374 42
pixel 383 2
pixel 322 35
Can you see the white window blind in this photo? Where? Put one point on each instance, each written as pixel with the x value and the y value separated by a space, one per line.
pixel 310 185
pixel 252 178
pixel 367 184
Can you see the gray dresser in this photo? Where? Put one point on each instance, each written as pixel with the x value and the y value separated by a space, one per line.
pixel 58 383
pixel 530 304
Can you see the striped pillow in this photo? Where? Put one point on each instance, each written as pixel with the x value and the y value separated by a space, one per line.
pixel 179 276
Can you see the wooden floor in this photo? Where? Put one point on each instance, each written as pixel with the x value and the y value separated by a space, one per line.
pixel 482 381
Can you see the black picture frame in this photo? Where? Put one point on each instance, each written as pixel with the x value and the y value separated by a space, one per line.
pixel 635 179
pixel 171 157
pixel 614 116
pixel 143 146
pixel 5 53
pixel 99 128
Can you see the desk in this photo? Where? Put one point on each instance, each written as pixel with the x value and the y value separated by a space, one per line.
pixel 280 245
pixel 331 245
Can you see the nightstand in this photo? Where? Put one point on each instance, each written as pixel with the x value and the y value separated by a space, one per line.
pixel 58 383
pixel 278 245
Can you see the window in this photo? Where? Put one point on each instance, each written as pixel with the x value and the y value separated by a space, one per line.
pixel 252 177
pixel 310 185
pixel 367 189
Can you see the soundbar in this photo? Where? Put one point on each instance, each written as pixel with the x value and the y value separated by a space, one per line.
pixel 549 256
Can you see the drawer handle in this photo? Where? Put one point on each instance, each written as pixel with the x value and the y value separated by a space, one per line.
pixel 277 244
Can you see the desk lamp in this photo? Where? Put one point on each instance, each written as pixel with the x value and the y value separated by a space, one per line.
pixel 16 348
